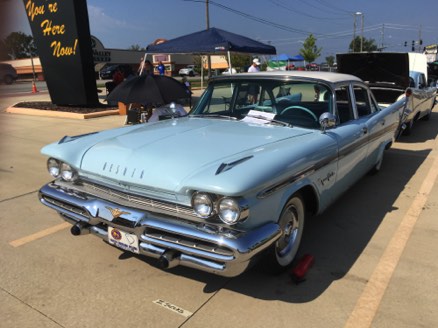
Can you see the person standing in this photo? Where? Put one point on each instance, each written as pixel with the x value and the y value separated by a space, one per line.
pixel 253 89
pixel 255 67
pixel 161 68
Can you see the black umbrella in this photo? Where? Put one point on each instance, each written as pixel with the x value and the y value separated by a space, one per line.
pixel 149 89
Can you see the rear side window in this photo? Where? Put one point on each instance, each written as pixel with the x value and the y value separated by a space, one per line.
pixel 362 101
pixel 343 104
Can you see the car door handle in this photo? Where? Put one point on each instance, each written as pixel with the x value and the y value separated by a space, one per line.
pixel 382 122
pixel 364 130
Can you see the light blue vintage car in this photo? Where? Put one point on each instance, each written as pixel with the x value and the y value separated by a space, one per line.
pixel 232 181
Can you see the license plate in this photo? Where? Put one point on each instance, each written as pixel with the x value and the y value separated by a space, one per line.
pixel 123 240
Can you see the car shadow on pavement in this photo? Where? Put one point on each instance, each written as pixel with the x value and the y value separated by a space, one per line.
pixel 338 237
pixel 422 130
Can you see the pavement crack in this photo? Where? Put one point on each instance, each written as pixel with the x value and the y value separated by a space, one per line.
pixel 18 196
pixel 31 307
pixel 205 303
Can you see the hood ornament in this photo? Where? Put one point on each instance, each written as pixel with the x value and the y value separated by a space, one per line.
pixel 115 212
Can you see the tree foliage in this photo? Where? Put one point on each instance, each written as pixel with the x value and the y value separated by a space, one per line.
pixel 330 60
pixel 136 47
pixel 368 45
pixel 240 61
pixel 19 45
pixel 309 50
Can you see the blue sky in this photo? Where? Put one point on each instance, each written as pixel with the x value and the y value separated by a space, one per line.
pixel 282 23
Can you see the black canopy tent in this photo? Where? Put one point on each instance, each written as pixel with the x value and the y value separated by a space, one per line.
pixel 212 41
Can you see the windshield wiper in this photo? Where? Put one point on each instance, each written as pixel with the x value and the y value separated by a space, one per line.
pixel 261 117
pixel 214 116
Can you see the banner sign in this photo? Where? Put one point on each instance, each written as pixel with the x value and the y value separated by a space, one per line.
pixel 61 33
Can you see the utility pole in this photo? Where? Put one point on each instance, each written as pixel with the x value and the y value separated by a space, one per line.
pixel 207 14
pixel 383 37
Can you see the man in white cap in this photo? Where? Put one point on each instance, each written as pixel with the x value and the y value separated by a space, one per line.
pixel 255 67
pixel 253 89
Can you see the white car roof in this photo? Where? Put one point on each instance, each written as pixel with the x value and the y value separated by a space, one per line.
pixel 326 76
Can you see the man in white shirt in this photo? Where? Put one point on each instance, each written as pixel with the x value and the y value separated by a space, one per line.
pixel 253 89
pixel 255 67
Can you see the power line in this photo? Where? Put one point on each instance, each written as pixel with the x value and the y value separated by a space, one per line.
pixel 294 10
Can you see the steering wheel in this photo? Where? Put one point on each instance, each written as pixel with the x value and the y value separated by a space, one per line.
pixel 304 109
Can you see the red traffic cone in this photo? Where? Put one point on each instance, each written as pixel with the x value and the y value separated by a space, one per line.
pixel 34 88
pixel 300 270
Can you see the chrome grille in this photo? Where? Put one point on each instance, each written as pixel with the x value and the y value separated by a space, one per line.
pixel 149 203
pixel 66 206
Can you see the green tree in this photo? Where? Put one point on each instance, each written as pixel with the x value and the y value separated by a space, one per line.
pixel 330 60
pixel 19 45
pixel 240 61
pixel 309 50
pixel 136 47
pixel 368 45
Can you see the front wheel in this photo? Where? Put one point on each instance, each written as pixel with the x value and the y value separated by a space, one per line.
pixel 291 222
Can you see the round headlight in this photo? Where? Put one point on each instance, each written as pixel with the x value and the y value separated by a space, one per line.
pixel 54 167
pixel 229 211
pixel 202 204
pixel 67 173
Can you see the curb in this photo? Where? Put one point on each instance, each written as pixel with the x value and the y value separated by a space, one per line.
pixel 49 113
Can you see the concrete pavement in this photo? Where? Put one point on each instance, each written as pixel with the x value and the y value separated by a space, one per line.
pixel 376 252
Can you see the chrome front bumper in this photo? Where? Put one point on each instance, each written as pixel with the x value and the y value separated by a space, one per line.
pixel 172 239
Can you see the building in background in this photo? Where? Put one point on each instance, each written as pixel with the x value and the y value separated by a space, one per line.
pixel 106 56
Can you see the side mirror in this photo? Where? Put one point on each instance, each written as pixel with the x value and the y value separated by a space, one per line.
pixel 327 121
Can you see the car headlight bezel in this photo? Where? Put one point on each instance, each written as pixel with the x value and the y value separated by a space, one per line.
pixel 203 204
pixel 225 209
pixel 54 167
pixel 68 173
pixel 229 210
pixel 60 169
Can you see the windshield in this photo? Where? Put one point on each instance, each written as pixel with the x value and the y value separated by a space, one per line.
pixel 298 103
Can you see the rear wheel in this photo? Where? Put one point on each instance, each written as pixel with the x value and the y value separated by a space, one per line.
pixel 291 222
pixel 408 130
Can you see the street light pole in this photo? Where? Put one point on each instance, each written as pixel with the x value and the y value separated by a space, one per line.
pixel 354 33
pixel 358 13
pixel 361 32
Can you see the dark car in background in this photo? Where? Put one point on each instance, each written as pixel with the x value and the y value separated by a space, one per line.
pixel 107 72
pixel 8 74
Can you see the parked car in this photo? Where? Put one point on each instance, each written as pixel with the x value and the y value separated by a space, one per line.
pixel 312 67
pixel 188 70
pixel 234 180
pixel 107 72
pixel 227 71
pixel 8 74
pixel 390 75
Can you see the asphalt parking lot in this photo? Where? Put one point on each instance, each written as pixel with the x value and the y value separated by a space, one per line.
pixel 375 249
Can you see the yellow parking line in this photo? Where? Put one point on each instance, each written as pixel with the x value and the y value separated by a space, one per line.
pixel 40 234
pixel 368 303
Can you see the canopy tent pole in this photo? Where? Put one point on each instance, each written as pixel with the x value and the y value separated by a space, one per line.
pixel 142 63
pixel 230 66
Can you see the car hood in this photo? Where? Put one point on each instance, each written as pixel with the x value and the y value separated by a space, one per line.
pixel 376 68
pixel 175 153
